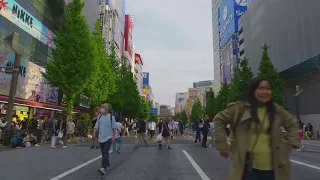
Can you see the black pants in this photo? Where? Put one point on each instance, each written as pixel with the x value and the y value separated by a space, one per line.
pixel 152 133
pixel 204 137
pixel 256 174
pixel 181 131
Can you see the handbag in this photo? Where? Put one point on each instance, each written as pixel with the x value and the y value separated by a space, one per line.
pixel 249 154
pixel 60 134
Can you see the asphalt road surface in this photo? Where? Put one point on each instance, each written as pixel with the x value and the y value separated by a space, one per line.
pixel 186 161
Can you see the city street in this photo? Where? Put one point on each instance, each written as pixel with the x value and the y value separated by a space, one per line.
pixel 186 161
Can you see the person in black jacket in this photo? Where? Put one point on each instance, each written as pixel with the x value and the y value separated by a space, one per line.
pixel 205 130
pixel 141 132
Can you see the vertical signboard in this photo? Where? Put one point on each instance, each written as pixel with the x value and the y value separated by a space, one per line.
pixel 226 60
pixel 230 12
pixel 226 21
pixel 145 78
pixel 128 46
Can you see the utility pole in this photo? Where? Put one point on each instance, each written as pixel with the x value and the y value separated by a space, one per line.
pixel 13 41
pixel 298 92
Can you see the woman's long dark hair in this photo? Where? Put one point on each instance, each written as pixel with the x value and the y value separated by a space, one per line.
pixel 250 98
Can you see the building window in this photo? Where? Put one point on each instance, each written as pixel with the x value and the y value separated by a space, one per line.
pixel 241 52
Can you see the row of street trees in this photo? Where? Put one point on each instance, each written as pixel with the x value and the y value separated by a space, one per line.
pixel 80 65
pixel 237 88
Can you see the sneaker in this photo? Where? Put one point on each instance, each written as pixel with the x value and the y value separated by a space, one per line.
pixel 69 140
pixel 36 145
pixel 91 147
pixel 118 152
pixel 210 145
pixel 64 146
pixel 135 147
pixel 97 147
pixel 53 147
pixel 103 171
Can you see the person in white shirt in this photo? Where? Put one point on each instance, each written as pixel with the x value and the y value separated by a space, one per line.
pixel 211 133
pixel 118 137
pixel 2 125
pixel 152 128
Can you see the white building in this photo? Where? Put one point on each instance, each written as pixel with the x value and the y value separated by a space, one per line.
pixel 216 47
pixel 111 25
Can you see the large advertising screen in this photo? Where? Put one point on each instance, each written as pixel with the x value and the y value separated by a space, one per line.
pixel 16 14
pixel 145 78
pixel 229 13
pixel 31 84
pixel 226 61
pixel 128 35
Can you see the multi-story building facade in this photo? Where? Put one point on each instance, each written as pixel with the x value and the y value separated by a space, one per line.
pixel 216 47
pixel 128 44
pixel 34 21
pixel 294 43
pixel 202 84
pixel 229 13
pixel 181 99
pixel 111 17
pixel 165 110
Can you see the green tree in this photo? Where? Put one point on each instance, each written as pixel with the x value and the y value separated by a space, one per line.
pixel 146 108
pixel 239 84
pixel 126 100
pixel 267 70
pixel 183 117
pixel 74 64
pixel 196 111
pixel 222 98
pixel 209 109
pixel 103 83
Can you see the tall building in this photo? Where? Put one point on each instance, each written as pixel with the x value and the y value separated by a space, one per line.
pixel 201 84
pixel 294 49
pixel 35 22
pixel 165 110
pixel 181 99
pixel 110 15
pixel 229 13
pixel 216 48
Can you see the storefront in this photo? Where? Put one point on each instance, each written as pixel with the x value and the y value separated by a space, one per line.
pixel 19 112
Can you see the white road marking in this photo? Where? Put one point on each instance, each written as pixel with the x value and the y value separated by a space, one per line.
pixel 77 168
pixel 305 164
pixel 196 166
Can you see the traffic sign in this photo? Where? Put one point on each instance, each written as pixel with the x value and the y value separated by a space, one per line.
pixel 154 111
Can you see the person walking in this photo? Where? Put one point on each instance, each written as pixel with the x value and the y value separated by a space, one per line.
pixel 205 130
pixel 160 125
pixel 61 132
pixel 96 115
pixel 257 147
pixel 198 126
pixel 106 127
pixel 152 128
pixel 166 134
pixel 141 130
pixel 118 138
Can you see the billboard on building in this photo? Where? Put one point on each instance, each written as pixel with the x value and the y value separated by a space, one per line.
pixel 226 61
pixel 138 59
pixel 128 45
pixel 180 99
pixel 31 83
pixel 145 78
pixel 229 13
pixel 24 20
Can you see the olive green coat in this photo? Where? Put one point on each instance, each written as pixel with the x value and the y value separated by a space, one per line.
pixel 239 144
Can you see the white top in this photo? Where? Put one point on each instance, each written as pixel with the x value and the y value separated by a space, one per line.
pixel 212 126
pixel 152 126
pixel 119 127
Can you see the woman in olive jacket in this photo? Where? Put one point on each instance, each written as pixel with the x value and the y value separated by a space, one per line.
pixel 258 150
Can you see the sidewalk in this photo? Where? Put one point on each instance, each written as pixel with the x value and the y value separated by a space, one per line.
pixel 311 142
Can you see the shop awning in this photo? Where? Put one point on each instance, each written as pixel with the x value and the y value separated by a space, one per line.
pixel 29 103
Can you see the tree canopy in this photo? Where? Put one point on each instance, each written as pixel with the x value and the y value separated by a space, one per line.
pixel 222 98
pixel 267 70
pixel 209 109
pixel 72 68
pixel 196 111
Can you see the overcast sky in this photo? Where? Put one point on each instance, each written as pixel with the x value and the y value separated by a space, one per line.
pixel 174 38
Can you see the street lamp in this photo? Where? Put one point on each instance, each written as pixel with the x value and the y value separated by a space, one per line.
pixel 13 41
pixel 298 92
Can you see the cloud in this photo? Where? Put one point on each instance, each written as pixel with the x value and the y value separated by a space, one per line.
pixel 175 41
